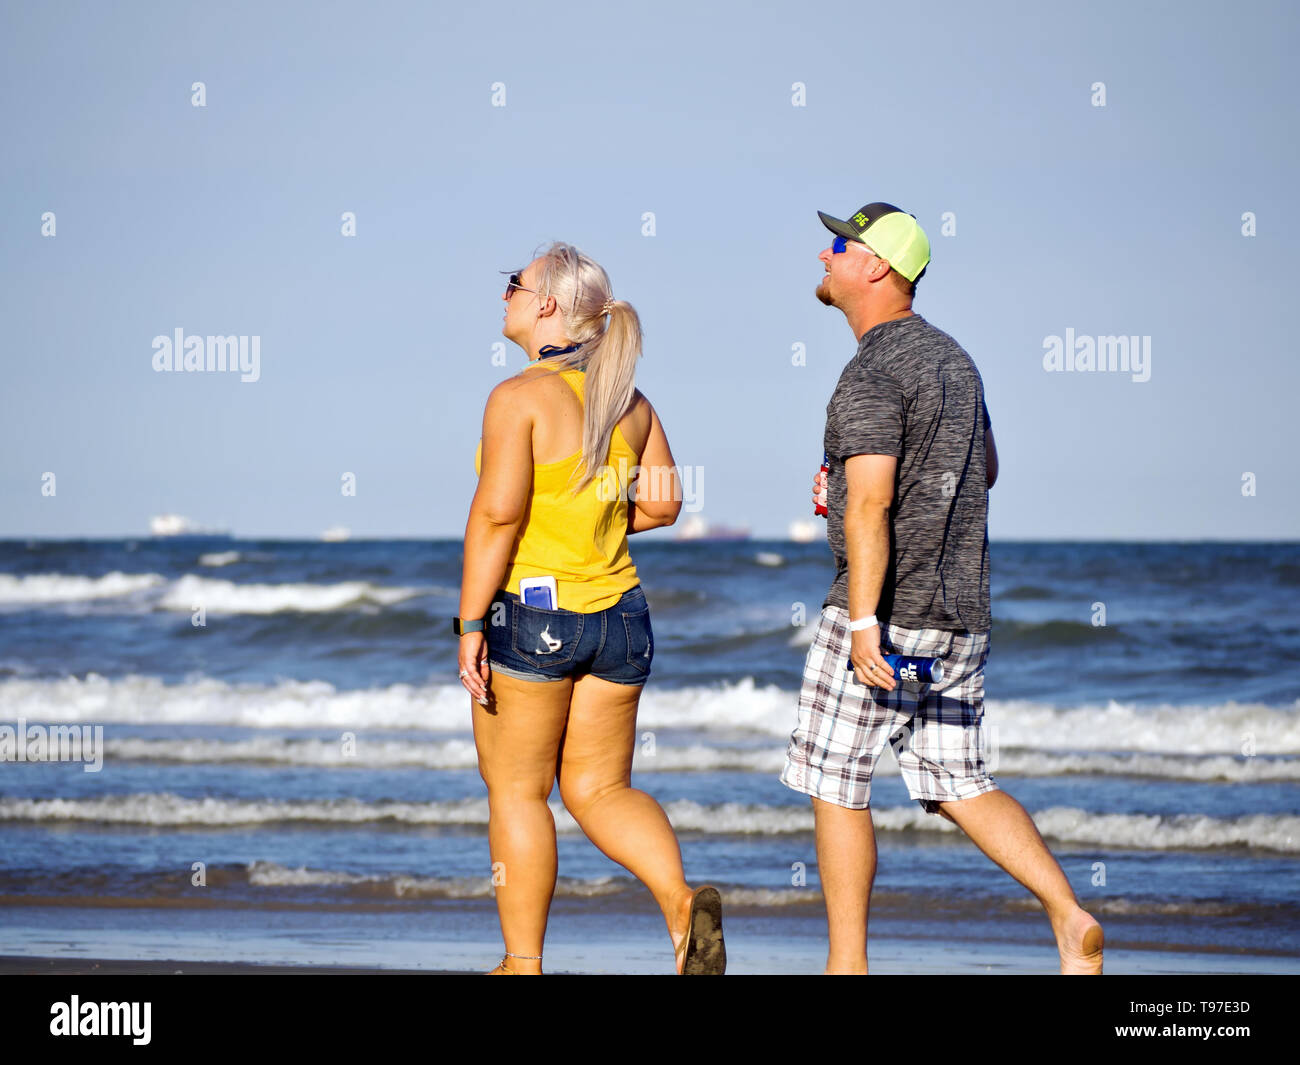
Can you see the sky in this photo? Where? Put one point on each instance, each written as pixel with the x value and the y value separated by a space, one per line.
pixel 1083 171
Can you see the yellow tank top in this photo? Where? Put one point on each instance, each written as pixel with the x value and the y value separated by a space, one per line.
pixel 580 540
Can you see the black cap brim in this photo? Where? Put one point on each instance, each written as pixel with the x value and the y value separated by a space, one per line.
pixel 839 227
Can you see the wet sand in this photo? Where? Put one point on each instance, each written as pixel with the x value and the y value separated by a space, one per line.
pixel 888 957
pixel 14 966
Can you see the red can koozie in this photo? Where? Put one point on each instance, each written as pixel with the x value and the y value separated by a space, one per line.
pixel 820 508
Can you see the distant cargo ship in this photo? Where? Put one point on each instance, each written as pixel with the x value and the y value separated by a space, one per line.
pixel 174 525
pixel 696 528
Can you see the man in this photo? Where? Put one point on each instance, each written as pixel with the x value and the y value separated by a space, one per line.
pixel 911 459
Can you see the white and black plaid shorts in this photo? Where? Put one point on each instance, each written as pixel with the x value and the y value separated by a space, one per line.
pixel 936 731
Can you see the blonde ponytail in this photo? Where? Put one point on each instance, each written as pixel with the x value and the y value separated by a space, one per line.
pixel 607 350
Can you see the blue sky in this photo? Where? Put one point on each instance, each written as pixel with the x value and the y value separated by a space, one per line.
pixel 376 350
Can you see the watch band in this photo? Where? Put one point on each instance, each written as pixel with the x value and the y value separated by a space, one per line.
pixel 863 623
pixel 460 626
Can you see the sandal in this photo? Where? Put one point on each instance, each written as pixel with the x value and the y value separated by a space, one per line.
pixel 706 953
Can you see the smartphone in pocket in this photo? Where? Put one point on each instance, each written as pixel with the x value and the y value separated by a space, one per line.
pixel 539 592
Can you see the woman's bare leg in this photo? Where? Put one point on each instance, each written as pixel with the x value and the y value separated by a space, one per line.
pixel 595 784
pixel 518 739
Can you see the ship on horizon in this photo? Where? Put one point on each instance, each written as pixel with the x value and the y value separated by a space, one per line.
pixel 696 528
pixel 178 527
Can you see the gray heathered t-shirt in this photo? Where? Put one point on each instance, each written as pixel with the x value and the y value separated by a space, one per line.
pixel 911 391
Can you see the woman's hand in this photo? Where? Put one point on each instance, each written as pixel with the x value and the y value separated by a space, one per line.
pixel 474 668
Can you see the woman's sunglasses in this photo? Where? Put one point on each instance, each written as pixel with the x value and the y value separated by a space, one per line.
pixel 513 285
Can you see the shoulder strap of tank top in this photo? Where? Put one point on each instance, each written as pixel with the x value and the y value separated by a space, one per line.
pixel 570 375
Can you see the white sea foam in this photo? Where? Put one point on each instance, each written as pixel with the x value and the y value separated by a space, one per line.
pixel 39 588
pixel 364 752
pixel 151 591
pixel 1078 739
pixel 1273 832
pixel 286 705
pixel 802 636
pixel 227 597
pixel 219 558
pixel 367 751
pixel 1226 728
pixel 167 810
pixel 271 874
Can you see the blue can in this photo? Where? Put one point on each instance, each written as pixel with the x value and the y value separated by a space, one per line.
pixel 914 669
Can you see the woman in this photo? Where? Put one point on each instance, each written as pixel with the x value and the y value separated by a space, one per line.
pixel 556 690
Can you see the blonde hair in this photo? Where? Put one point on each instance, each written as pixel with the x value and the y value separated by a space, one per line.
pixel 607 351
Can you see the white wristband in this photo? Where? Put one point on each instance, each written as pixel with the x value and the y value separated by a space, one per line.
pixel 863 623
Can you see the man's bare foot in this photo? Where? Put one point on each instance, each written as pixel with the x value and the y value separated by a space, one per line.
pixel 846 966
pixel 1080 941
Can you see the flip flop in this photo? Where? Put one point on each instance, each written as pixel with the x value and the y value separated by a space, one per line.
pixel 706 953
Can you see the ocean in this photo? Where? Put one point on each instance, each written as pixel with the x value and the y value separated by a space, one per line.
pixel 294 779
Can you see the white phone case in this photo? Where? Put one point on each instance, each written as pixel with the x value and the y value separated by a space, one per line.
pixel 539 592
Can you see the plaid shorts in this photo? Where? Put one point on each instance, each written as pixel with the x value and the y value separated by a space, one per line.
pixel 937 735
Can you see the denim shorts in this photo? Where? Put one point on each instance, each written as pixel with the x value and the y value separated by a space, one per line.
pixel 529 643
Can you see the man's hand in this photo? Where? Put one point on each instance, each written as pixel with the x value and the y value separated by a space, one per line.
pixel 868 665
pixel 819 488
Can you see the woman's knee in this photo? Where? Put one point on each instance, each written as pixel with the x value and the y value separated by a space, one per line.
pixel 506 786
pixel 579 794
pixel 512 803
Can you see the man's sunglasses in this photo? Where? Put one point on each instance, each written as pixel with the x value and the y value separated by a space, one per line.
pixel 513 285
pixel 840 244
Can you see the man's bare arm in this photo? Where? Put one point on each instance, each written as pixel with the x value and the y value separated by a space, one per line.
pixel 869 494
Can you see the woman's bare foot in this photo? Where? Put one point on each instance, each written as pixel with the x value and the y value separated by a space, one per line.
pixel 679 923
pixel 697 920
pixel 508 966
pixel 1080 941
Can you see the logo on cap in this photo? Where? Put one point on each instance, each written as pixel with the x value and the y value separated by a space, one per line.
pixel 861 220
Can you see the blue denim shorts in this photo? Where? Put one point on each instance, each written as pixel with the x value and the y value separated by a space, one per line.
pixel 529 643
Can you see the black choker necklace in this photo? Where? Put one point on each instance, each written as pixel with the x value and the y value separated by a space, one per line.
pixel 550 349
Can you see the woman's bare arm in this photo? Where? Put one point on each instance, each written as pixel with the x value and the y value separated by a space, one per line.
pixel 495 515
pixel 658 487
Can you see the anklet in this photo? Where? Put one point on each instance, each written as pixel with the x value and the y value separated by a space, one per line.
pixel 526 957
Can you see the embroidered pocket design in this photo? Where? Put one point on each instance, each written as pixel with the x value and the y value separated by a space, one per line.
pixel 552 644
